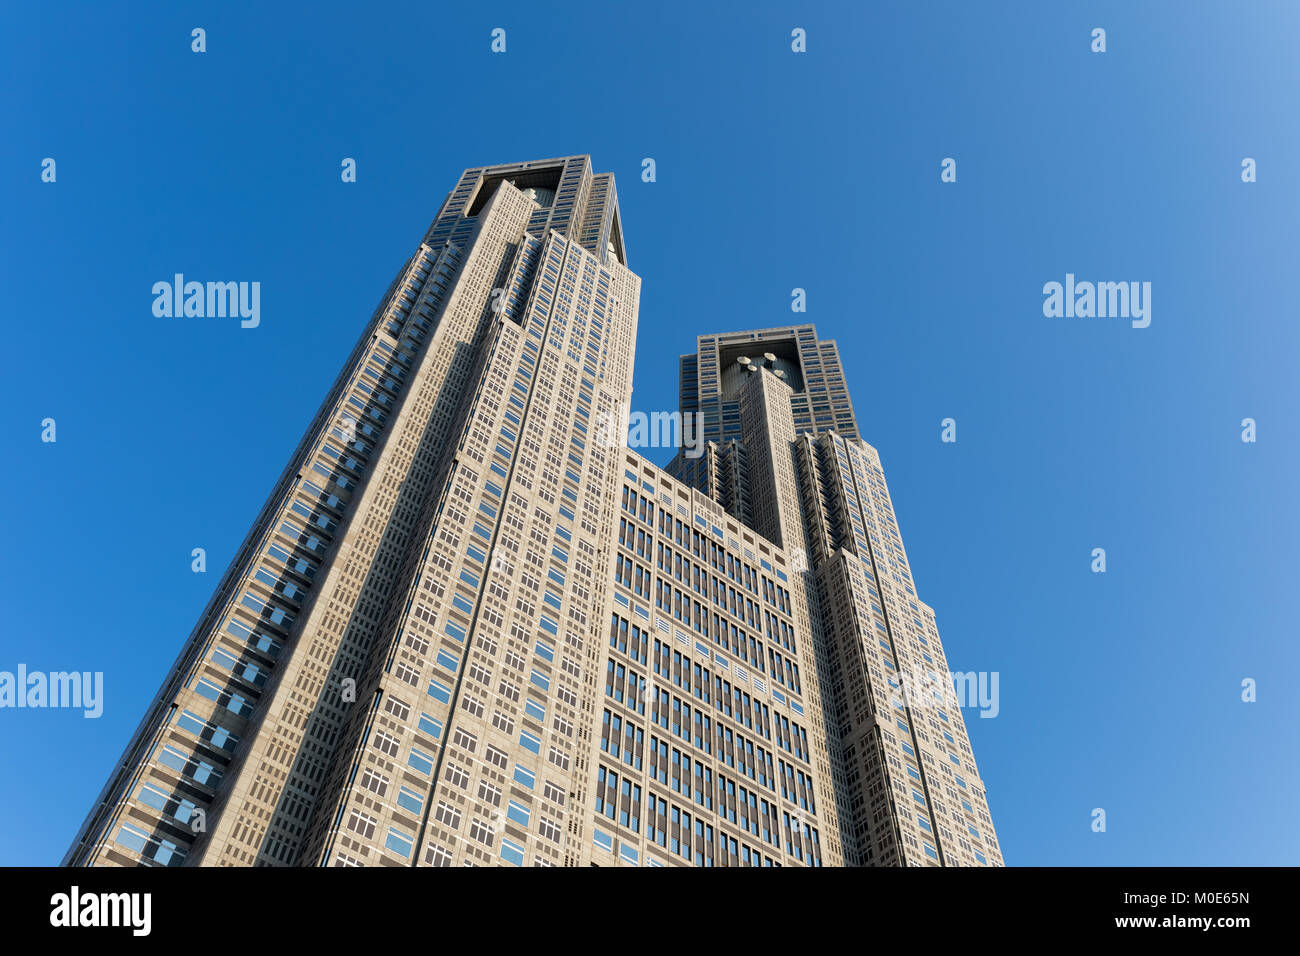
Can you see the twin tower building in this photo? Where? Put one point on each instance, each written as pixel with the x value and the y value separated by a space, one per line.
pixel 468 629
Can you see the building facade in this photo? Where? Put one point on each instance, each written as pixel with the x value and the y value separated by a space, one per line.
pixel 467 629
pixel 781 452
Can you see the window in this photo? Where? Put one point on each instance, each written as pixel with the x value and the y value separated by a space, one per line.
pixel 398 842
pixel 512 853
pixel 553 793
pixel 431 726
pixel 439 692
pixel 409 799
pixel 548 829
pixel 482 832
pixel 375 782
pixel 133 838
pixel 420 761
pixel 519 813
pixel 358 822
pixel 152 796
pixel 447 815
pixel 457 777
pixel 437 856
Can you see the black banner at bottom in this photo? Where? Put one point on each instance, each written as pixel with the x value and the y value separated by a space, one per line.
pixel 270 907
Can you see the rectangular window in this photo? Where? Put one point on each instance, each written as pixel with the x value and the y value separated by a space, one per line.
pixel 431 726
pixel 519 813
pixel 420 761
pixel 512 853
pixel 410 800
pixel 398 842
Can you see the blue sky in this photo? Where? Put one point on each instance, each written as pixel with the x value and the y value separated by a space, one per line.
pixel 775 170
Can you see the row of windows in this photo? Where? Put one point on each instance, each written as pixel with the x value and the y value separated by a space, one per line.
pixel 675 668
pixel 691 725
pixel 288 572
pixel 691 838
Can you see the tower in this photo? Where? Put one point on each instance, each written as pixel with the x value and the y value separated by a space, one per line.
pixel 444 510
pixel 783 454
pixel 471 627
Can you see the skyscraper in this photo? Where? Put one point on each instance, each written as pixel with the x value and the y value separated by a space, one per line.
pixel 466 629
pixel 782 454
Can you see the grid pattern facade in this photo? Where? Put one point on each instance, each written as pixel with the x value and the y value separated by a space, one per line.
pixel 916 793
pixel 347 600
pixel 468 630
pixel 906 787
pixel 706 748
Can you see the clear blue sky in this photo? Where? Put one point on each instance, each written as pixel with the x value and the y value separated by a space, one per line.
pixel 775 170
